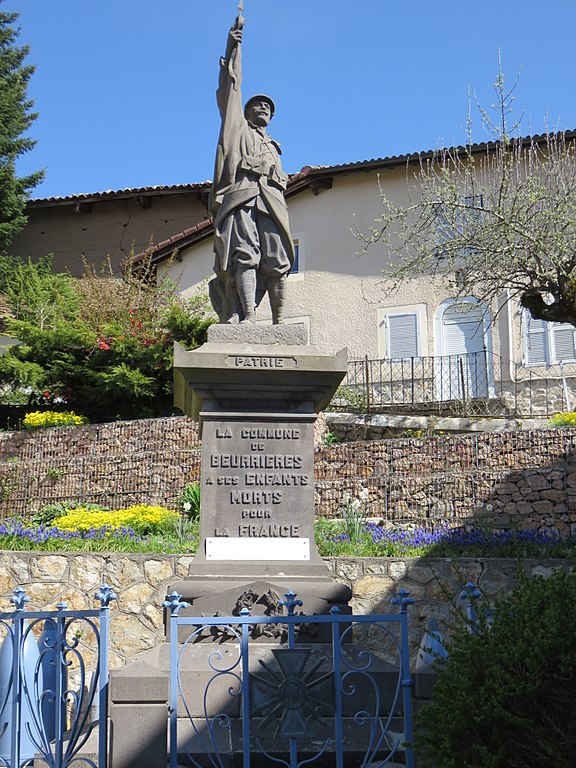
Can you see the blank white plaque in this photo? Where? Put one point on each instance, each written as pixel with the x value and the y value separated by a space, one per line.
pixel 236 548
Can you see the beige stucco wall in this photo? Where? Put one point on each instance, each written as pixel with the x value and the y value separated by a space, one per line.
pixel 340 294
pixel 112 229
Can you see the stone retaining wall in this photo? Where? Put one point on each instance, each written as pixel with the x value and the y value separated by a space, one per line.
pixel 141 582
pixel 509 480
pixel 503 480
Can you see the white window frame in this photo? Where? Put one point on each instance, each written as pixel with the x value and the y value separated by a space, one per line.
pixel 549 342
pixel 439 316
pixel 384 313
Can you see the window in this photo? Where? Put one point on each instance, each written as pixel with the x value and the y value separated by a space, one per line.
pixel 401 334
pixel 297 270
pixel 547 343
pixel 449 224
pixel 296 265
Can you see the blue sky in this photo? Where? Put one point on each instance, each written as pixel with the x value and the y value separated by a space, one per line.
pixel 126 88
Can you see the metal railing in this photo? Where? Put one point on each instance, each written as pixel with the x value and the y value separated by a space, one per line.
pixel 474 384
pixel 301 701
pixel 47 694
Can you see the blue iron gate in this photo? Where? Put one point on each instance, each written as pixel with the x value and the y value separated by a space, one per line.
pixel 290 689
pixel 45 716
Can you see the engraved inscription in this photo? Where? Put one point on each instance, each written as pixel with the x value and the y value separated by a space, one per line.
pixel 260 361
pixel 255 497
pixel 249 461
pixel 259 478
pixel 255 529
pixel 270 434
pixel 276 479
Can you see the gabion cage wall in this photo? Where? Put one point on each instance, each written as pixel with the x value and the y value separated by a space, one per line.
pixel 521 479
pixel 524 479
pixel 116 465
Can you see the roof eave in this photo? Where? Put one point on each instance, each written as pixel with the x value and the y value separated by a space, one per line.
pixel 121 194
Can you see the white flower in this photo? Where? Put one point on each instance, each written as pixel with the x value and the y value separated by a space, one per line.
pixel 363 495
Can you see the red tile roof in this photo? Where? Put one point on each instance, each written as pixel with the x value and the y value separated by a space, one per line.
pixel 298 182
pixel 110 194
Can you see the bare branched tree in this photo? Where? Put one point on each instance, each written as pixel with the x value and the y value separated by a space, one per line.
pixel 491 217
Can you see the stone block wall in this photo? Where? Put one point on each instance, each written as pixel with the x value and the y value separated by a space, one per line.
pixel 142 581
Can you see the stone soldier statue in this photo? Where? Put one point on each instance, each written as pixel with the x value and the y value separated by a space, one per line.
pixel 253 248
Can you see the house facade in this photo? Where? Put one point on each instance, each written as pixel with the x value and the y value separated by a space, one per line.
pixel 422 340
pixel 102 226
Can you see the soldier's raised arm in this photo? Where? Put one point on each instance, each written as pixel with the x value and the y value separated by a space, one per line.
pixel 234 37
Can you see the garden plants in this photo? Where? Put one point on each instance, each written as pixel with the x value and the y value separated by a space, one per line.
pixel 65 526
pixel 100 345
pixel 505 693
pixel 44 419
pixel 563 419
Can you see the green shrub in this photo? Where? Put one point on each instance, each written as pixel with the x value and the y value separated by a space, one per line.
pixel 505 696
pixel 47 514
pixel 352 398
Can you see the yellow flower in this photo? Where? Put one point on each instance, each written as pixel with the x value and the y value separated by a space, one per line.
pixel 564 420
pixel 142 518
pixel 43 419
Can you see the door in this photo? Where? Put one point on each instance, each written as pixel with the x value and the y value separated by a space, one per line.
pixel 464 360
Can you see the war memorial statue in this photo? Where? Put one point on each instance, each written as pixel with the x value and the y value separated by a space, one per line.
pixel 253 247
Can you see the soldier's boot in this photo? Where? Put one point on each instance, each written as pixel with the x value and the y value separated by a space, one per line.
pixel 246 287
pixel 277 294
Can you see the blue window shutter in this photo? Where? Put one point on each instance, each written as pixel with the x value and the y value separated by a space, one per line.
pixel 403 335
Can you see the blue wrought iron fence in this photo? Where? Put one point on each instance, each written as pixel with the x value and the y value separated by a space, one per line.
pixel 329 689
pixel 474 384
pixel 47 695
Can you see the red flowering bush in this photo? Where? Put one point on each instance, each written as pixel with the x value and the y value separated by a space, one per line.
pixel 105 347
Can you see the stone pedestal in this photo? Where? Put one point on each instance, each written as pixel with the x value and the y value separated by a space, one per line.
pixel 256 392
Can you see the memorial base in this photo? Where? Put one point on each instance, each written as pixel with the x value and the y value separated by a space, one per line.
pixel 256 392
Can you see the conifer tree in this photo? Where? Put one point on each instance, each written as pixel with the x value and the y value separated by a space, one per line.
pixel 15 119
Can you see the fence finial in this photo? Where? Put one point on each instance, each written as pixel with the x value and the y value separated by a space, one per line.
pixel 19 598
pixel 290 603
pixel 174 603
pixel 403 599
pixel 105 594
